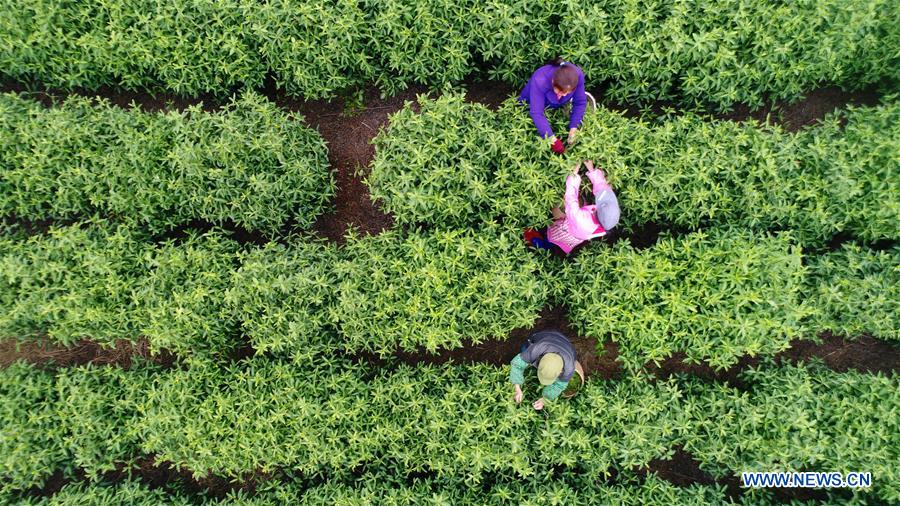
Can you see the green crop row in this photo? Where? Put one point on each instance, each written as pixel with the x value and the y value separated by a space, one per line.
pixel 327 416
pixel 105 283
pixel 715 297
pixel 696 53
pixel 390 291
pixel 251 164
pixel 856 290
pixel 799 418
pixel 378 293
pixel 652 491
pixel 455 164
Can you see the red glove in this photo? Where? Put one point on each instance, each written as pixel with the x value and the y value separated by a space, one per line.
pixel 558 147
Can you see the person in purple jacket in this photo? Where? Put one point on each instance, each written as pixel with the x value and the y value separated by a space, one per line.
pixel 555 85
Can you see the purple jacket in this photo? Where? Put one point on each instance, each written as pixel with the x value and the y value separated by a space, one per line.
pixel 538 93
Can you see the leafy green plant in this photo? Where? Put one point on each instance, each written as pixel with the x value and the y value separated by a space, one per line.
pixel 104 283
pixel 544 492
pixel 799 418
pixel 283 295
pixel 856 290
pixel 180 296
pixel 856 153
pixel 458 423
pixel 131 492
pixel 428 42
pixel 435 289
pixel 684 171
pixel 251 164
pixel 187 47
pixel 385 489
pixel 314 49
pixel 709 55
pixel 32 444
pixel 713 55
pixel 98 409
pixel 72 283
pixel 436 165
pixel 714 296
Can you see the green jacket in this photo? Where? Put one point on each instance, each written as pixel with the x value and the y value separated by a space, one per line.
pixel 517 377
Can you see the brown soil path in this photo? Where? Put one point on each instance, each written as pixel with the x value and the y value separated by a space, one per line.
pixel 43 352
pixel 813 107
pixel 349 134
pixel 864 354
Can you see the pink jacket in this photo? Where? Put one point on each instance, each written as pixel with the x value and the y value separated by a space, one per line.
pixel 580 223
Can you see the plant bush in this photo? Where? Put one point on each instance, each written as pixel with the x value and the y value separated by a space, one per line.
pixel 313 49
pixel 436 165
pixel 384 489
pixel 428 42
pixel 856 290
pixel 131 492
pixel 714 296
pixel 72 283
pixel 434 289
pixel 251 164
pixel 32 442
pixel 188 47
pixel 97 408
pixel 696 54
pixel 799 418
pixel 104 283
pixel 683 171
pixel 180 296
pixel 544 492
pixel 329 416
pixel 283 297
pixel 857 154
pixel 457 423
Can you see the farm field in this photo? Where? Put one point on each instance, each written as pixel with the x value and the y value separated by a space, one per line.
pixel 271 252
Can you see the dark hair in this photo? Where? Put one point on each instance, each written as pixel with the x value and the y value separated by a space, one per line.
pixel 565 76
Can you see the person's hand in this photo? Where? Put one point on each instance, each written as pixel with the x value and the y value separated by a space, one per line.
pixel 576 168
pixel 538 404
pixel 558 146
pixel 571 139
pixel 595 175
pixel 519 395
pixel 557 213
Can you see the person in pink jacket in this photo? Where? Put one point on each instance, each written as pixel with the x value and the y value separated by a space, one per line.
pixel 579 223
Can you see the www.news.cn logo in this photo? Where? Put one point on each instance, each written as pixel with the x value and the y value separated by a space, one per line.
pixel 806 480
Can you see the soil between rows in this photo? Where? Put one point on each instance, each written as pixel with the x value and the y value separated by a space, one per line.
pixel 43 352
pixel 863 353
pixel 681 470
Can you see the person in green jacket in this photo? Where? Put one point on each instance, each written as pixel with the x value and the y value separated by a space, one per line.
pixel 554 357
